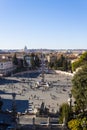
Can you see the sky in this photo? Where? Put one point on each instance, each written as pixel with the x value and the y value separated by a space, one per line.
pixel 43 24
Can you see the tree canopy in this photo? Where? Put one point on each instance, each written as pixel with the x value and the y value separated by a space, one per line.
pixel 80 62
pixel 15 60
pixel 35 61
pixel 64 112
pixel 79 88
pixel 61 63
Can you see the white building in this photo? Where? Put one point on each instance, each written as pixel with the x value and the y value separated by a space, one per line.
pixel 25 49
pixel 6 67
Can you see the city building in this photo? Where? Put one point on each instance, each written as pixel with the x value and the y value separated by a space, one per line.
pixel 6 67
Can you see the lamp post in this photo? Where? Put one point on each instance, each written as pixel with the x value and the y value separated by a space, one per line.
pixel 14 106
pixel 64 123
pixel 33 121
pixel 70 102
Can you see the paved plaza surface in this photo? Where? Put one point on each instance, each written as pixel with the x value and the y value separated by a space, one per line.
pixel 24 87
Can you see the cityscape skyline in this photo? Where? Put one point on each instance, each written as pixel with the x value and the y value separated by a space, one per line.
pixel 47 24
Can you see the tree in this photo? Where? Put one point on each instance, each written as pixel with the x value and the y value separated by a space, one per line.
pixel 15 60
pixel 69 66
pixel 32 60
pixel 37 61
pixel 80 62
pixel 64 113
pixel 83 56
pixel 65 65
pixel 51 64
pixel 78 124
pixel 75 124
pixel 79 88
pixel 26 60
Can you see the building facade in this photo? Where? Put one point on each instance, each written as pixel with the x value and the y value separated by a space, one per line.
pixel 6 67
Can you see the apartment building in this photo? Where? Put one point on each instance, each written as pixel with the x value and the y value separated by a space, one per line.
pixel 6 67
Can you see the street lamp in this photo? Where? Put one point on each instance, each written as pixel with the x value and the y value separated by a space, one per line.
pixel 70 100
pixel 33 120
pixel 14 106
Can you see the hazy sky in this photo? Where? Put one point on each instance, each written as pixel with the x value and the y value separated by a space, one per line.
pixel 50 24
